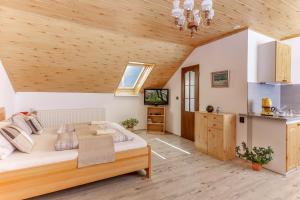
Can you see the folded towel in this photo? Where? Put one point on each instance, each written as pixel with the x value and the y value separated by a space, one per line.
pixel 98 122
pixel 105 131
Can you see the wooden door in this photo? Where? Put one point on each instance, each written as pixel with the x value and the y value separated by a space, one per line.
pixel 215 143
pixel 283 63
pixel 189 100
pixel 201 131
pixel 292 154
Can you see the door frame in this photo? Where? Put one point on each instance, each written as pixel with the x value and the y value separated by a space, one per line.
pixel 197 96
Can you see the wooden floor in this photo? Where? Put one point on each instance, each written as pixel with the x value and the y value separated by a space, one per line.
pixel 186 174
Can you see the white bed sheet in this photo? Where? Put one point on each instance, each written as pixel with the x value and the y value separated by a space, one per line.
pixel 44 153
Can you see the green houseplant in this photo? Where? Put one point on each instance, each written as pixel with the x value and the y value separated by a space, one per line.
pixel 130 123
pixel 258 155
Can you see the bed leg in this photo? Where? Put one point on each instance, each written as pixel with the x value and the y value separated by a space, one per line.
pixel 149 169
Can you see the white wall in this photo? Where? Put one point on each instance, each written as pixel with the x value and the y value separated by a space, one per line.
pixel 7 92
pixel 229 53
pixel 295 45
pixel 117 108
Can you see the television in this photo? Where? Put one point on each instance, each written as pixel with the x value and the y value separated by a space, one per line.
pixel 156 96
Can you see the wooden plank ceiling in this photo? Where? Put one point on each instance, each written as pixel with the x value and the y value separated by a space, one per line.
pixel 84 45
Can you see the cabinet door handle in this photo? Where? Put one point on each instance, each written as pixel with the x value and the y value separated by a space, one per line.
pixel 298 124
pixel 284 80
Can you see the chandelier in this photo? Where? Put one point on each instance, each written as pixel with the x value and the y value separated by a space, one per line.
pixel 191 18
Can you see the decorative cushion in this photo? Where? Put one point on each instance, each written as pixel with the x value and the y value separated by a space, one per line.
pixel 19 121
pixel 34 124
pixel 18 138
pixel 66 141
pixel 6 148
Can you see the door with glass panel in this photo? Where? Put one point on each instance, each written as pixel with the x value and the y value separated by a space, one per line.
pixel 189 100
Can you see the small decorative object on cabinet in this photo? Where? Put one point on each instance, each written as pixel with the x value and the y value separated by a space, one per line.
pixel 258 155
pixel 210 108
pixel 156 117
pixel 215 134
pixel 274 62
pixel 130 123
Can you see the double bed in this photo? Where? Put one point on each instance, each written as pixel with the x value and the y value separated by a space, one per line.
pixel 46 170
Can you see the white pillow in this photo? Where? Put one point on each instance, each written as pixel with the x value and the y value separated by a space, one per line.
pixel 6 148
pixel 19 121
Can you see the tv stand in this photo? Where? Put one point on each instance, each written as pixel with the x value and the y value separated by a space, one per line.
pixel 156 119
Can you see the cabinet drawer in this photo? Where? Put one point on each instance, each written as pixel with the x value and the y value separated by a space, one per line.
pixel 215 124
pixel 215 118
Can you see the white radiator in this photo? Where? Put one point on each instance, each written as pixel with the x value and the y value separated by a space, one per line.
pixel 55 118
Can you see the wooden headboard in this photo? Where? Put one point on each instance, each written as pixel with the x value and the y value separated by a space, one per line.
pixel 2 113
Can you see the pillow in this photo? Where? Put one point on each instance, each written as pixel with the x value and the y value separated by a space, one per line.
pixel 34 124
pixel 6 148
pixel 66 141
pixel 18 138
pixel 19 121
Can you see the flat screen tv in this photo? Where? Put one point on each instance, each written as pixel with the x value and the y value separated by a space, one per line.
pixel 156 96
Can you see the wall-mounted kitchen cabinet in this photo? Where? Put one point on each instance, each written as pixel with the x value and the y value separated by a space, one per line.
pixel 274 63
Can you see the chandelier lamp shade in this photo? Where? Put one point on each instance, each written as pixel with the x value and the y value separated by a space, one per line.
pixel 188 17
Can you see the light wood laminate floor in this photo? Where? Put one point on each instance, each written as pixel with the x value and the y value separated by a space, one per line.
pixel 180 172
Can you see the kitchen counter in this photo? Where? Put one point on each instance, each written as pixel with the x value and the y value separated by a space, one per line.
pixel 288 119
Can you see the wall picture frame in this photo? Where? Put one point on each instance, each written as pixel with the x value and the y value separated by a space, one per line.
pixel 220 79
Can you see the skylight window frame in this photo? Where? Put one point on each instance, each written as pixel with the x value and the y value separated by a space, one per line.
pixel 139 82
pixel 138 78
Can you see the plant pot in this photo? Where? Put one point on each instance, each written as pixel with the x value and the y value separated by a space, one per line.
pixel 256 166
pixel 130 129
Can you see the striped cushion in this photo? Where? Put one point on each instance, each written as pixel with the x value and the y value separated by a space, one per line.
pixel 6 148
pixel 18 138
pixel 19 121
pixel 34 124
pixel 66 141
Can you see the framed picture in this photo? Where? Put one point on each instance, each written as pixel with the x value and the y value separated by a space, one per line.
pixel 220 79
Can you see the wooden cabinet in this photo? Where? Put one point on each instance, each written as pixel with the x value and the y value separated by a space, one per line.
pixel 215 134
pixel 156 119
pixel 201 127
pixel 274 62
pixel 293 146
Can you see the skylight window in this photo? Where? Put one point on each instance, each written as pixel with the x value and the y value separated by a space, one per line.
pixel 133 79
pixel 131 75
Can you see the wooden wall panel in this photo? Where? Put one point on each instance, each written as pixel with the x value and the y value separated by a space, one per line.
pixel 46 54
pixel 83 46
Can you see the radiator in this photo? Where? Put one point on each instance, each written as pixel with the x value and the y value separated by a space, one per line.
pixel 55 118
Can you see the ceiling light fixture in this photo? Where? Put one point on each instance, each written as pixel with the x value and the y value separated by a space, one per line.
pixel 191 18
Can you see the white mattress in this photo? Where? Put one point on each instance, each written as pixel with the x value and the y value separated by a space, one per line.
pixel 43 152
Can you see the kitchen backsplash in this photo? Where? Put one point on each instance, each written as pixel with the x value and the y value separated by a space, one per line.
pixel 281 95
pixel 290 97
pixel 257 91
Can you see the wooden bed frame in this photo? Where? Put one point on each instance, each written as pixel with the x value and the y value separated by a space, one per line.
pixel 35 181
pixel 31 182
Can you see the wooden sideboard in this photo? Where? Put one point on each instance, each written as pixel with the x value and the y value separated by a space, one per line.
pixel 2 113
pixel 215 134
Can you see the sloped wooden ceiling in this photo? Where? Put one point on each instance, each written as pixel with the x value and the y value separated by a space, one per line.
pixel 84 45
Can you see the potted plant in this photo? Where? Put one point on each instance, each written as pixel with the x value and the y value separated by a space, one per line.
pixel 130 123
pixel 258 155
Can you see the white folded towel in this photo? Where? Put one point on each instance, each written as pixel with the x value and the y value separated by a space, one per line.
pixel 97 122
pixel 105 131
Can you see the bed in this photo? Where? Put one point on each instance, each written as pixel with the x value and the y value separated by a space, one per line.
pixel 46 170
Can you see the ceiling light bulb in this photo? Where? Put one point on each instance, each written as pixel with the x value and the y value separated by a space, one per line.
pixel 207 5
pixel 177 12
pixel 188 5
pixel 211 14
pixel 181 21
pixel 176 4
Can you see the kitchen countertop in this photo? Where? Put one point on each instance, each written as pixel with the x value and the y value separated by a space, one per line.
pixel 288 119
